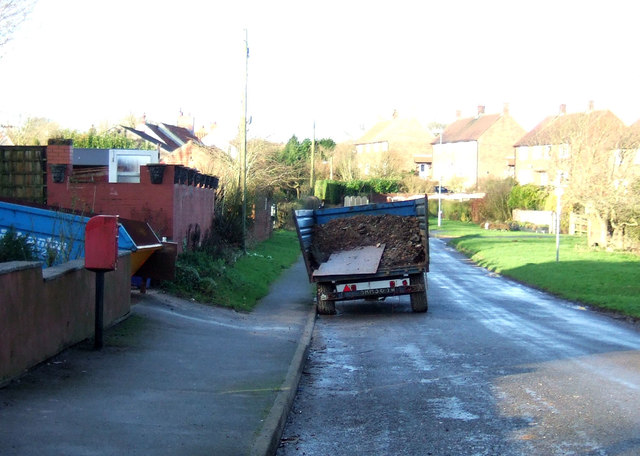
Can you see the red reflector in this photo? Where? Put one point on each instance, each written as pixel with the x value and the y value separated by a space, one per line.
pixel 392 283
pixel 404 282
pixel 346 288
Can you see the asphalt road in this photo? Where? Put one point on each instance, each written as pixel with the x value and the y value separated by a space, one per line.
pixel 494 368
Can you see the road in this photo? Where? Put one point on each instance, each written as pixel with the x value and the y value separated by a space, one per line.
pixel 494 368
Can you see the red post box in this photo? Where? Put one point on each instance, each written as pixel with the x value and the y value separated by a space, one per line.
pixel 101 243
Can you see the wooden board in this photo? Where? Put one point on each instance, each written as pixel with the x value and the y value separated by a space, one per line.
pixel 361 260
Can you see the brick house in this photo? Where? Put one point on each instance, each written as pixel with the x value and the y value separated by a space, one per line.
pixel 473 148
pixel 399 144
pixel 542 154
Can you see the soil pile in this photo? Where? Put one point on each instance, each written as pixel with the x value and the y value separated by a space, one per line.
pixel 401 235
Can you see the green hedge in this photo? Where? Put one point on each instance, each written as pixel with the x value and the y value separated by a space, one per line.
pixel 528 197
pixel 333 192
pixel 451 210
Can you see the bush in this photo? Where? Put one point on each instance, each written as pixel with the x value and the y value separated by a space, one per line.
pixel 495 205
pixel 16 247
pixel 284 215
pixel 457 210
pixel 528 197
pixel 451 210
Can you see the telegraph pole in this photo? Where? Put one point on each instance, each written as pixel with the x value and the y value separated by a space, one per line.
pixel 312 180
pixel 243 171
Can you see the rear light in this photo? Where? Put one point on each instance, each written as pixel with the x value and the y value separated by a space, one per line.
pixel 353 287
pixel 405 283
pixel 392 283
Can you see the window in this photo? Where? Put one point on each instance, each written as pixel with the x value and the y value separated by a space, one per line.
pixel 563 151
pixel 124 165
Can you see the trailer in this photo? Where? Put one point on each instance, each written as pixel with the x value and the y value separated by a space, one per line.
pixel 360 272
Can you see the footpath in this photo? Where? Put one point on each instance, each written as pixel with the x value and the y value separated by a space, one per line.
pixel 174 378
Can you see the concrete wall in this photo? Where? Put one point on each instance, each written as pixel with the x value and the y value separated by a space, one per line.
pixel 42 312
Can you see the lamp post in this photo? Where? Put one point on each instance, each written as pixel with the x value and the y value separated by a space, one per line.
pixel 440 187
pixel 559 192
pixel 243 171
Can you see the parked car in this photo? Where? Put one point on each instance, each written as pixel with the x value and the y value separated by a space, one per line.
pixel 441 189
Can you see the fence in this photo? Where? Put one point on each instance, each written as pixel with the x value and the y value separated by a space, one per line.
pixel 23 173
pixel 578 224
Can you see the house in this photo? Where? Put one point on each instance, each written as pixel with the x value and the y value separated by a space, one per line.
pixel 166 137
pixel 474 148
pixel 400 144
pixel 542 155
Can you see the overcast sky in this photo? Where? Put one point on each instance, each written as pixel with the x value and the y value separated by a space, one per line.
pixel 343 64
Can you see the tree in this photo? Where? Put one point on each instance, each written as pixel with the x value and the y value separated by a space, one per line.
pixel 12 14
pixel 34 132
pixel 594 161
pixel 112 138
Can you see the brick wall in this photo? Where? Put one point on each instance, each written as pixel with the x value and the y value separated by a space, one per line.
pixel 171 209
pixel 495 147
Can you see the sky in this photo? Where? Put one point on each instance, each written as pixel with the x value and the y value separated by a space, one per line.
pixel 341 65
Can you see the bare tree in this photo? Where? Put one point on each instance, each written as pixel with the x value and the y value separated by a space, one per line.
pixel 594 156
pixel 12 14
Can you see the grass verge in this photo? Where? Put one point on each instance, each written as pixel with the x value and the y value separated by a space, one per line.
pixel 240 285
pixel 609 280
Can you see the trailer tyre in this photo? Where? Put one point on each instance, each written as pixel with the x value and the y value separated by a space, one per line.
pixel 324 306
pixel 418 300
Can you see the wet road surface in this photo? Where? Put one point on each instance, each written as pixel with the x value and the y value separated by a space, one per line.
pixel 494 368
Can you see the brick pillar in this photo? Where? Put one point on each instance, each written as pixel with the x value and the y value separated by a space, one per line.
pixel 59 160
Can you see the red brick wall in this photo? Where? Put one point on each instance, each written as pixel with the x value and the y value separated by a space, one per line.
pixel 168 208
pixel 59 154
pixel 192 213
pixel 262 225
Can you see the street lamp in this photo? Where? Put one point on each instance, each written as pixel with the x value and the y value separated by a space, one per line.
pixel 559 192
pixel 440 187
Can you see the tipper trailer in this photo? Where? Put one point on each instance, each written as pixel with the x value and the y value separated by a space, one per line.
pixel 360 272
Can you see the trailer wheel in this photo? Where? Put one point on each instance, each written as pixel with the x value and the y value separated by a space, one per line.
pixel 324 306
pixel 418 300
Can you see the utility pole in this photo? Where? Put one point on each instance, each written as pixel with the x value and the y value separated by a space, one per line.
pixel 243 171
pixel 312 180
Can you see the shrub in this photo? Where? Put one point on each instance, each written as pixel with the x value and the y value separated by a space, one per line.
pixel 495 205
pixel 16 247
pixel 528 197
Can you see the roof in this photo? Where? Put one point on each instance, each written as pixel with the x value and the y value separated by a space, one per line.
pixel 169 137
pixel 397 130
pixel 561 129
pixel 467 129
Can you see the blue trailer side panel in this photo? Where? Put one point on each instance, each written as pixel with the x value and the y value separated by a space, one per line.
pixel 53 232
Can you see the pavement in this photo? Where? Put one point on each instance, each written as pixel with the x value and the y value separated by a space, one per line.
pixel 174 378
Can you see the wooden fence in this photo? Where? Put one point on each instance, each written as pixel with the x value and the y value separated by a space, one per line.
pixel 23 173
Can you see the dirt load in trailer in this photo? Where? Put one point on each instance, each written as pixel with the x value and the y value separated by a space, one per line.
pixel 366 252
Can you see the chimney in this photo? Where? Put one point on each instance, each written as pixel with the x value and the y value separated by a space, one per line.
pixel 480 110
pixel 563 109
pixel 591 104
pixel 186 121
pixel 458 114
pixel 505 109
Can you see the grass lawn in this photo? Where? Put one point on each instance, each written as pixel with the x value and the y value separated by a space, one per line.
pixel 242 284
pixel 609 280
